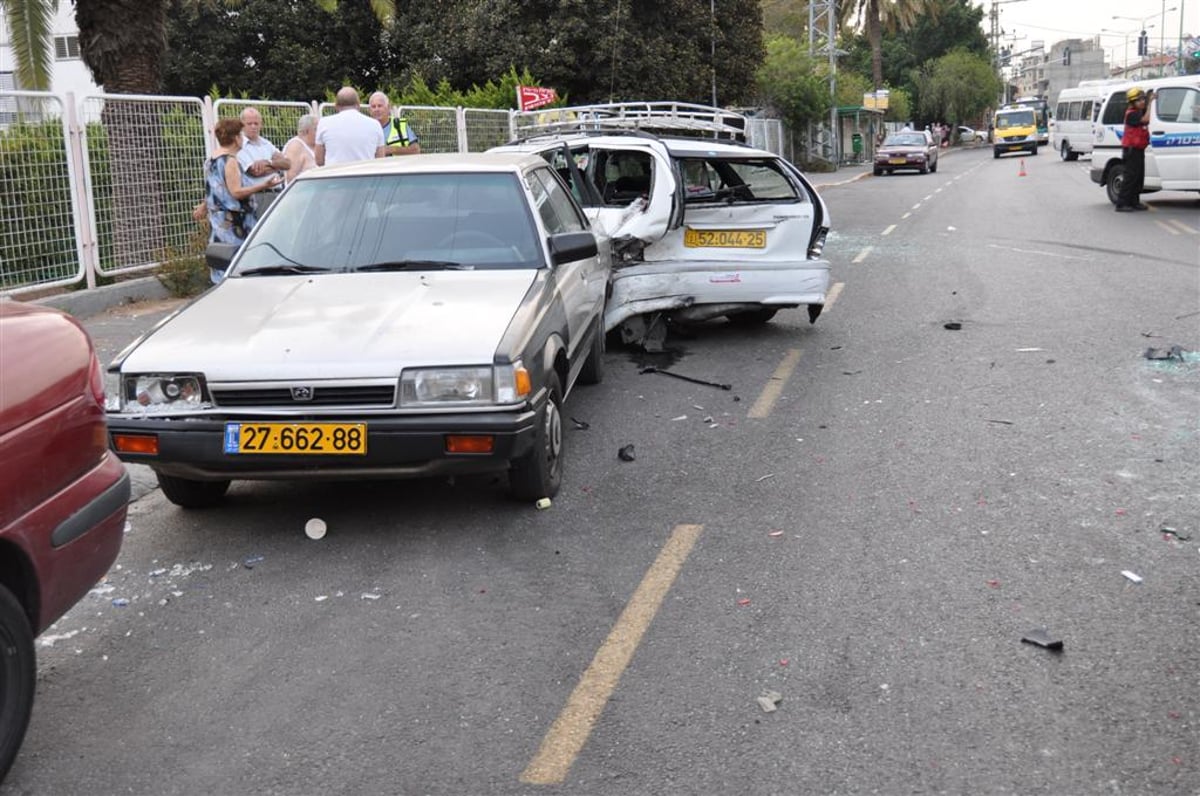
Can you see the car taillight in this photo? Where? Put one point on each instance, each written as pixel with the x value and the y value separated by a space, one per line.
pixel 96 381
pixel 817 244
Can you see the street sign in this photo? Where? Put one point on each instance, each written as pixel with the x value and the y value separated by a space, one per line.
pixel 530 97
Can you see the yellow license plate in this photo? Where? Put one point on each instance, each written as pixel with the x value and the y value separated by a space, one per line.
pixel 725 238
pixel 297 438
pixel 898 161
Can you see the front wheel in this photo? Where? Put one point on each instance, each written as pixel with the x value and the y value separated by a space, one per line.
pixel 189 494
pixel 1034 150
pixel 1064 151
pixel 538 474
pixel 996 154
pixel 18 672
pixel 1115 183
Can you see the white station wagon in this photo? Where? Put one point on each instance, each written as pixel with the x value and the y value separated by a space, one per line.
pixel 702 225
pixel 404 317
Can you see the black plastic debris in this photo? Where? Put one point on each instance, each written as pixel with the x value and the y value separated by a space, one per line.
pixel 718 385
pixel 953 326
pixel 582 425
pixel 1174 352
pixel 1041 637
pixel 626 454
pixel 250 562
pixel 1167 530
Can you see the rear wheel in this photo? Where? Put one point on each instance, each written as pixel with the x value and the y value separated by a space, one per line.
pixel 1064 151
pixel 1115 183
pixel 538 474
pixel 996 154
pixel 18 672
pixel 753 317
pixel 190 494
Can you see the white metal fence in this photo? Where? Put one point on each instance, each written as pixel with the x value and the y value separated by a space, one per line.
pixel 105 185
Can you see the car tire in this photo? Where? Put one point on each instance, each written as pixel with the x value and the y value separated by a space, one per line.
pixel 878 172
pixel 592 371
pixel 189 494
pixel 1034 150
pixel 996 154
pixel 924 169
pixel 1114 183
pixel 1064 152
pixel 538 474
pixel 18 676
pixel 933 168
pixel 752 317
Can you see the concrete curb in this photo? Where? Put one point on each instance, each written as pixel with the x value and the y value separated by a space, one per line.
pixel 86 303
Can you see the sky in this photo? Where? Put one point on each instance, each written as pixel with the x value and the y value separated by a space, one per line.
pixel 1052 20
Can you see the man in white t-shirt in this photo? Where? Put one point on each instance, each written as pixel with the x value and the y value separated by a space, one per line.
pixel 349 134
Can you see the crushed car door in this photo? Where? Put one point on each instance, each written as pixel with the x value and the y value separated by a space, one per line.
pixel 636 192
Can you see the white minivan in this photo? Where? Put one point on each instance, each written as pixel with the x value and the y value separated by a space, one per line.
pixel 1173 157
pixel 1077 110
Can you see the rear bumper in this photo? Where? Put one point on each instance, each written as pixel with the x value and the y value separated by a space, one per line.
pixel 662 286
pixel 397 447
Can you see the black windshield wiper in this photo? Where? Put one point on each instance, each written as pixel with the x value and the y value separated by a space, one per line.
pixel 282 269
pixel 415 265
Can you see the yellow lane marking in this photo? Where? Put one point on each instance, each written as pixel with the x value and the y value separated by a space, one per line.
pixel 770 394
pixel 906 215
pixel 832 296
pixel 571 729
pixel 862 255
pixel 1186 229
pixel 888 231
pixel 917 206
pixel 1166 227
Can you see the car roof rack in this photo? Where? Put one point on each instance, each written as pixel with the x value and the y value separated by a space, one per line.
pixel 651 117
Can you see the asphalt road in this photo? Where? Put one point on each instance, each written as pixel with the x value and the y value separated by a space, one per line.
pixel 867 524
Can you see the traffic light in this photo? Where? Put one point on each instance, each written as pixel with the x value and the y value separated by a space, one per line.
pixel 1143 44
pixel 1066 56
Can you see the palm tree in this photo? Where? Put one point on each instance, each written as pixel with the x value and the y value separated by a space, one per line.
pixel 879 15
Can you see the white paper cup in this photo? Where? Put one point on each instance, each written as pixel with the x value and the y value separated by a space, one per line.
pixel 315 528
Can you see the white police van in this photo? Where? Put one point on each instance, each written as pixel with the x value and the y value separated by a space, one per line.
pixel 1173 157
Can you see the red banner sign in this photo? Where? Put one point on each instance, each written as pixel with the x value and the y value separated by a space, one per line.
pixel 530 97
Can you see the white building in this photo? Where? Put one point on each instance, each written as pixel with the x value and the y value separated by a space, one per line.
pixel 67 70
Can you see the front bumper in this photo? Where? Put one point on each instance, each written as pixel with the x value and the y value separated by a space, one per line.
pixel 410 446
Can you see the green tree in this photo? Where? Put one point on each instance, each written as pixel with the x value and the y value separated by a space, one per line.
pixel 876 16
pixel 793 85
pixel 957 87
pixel 594 52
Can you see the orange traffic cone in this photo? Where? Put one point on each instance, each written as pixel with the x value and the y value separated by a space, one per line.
pixel 1021 173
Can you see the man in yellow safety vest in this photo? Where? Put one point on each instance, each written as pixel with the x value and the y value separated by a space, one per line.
pixel 399 137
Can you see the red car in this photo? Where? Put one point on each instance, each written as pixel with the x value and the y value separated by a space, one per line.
pixel 63 494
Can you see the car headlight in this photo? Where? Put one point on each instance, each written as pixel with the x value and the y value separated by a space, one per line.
pixel 152 392
pixel 469 386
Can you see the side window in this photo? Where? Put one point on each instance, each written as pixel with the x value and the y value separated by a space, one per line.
pixel 1114 109
pixel 1072 112
pixel 1179 104
pixel 558 212
pixel 1062 110
pixel 1085 111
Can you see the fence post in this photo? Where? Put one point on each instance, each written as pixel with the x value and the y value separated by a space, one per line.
pixel 81 192
pixel 460 129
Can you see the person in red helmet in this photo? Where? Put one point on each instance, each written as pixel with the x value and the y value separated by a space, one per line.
pixel 1133 150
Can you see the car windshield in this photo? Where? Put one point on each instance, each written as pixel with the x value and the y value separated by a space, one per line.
pixel 395 222
pixel 749 181
pixel 1018 119
pixel 905 140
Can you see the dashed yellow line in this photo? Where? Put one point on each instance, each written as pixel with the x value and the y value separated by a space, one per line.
pixel 888 231
pixel 573 726
pixel 832 296
pixel 862 255
pixel 1166 227
pixel 770 394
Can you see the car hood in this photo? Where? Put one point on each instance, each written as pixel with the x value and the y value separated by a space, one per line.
pixel 354 325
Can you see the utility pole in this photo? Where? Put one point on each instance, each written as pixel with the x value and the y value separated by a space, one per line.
pixel 995 33
pixel 822 39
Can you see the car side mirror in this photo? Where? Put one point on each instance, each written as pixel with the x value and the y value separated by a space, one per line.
pixel 219 255
pixel 568 247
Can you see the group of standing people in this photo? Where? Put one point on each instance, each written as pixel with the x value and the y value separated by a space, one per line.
pixel 246 171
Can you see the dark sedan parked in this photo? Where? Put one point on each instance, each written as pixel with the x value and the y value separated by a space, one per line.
pixel 909 149
pixel 62 492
